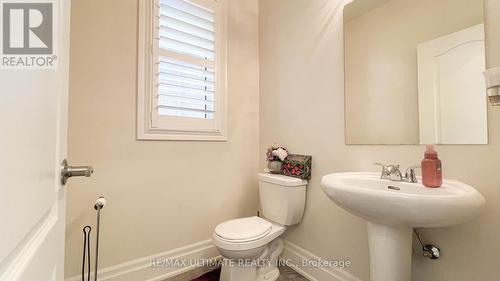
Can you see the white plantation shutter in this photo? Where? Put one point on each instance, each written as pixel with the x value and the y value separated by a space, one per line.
pixel 186 52
pixel 187 71
pixel 185 62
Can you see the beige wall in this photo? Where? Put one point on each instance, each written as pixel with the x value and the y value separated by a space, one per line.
pixel 492 37
pixel 381 64
pixel 302 107
pixel 161 195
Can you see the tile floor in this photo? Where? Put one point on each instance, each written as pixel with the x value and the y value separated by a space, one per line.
pixel 287 274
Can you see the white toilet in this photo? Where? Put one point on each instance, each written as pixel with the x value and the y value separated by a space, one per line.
pixel 251 246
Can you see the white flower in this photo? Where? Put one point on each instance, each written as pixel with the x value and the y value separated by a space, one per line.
pixel 280 153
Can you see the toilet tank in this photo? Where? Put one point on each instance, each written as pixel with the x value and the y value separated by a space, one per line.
pixel 282 198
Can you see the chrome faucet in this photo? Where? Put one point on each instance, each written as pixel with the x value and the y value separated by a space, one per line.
pixel 393 173
pixel 410 174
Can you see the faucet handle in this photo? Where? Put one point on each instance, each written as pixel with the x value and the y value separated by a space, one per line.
pixel 410 174
pixel 384 169
pixel 383 173
pixel 389 170
pixel 387 166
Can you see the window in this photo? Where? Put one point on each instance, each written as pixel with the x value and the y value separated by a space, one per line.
pixel 182 70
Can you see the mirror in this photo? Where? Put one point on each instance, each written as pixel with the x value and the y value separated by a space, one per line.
pixel 414 72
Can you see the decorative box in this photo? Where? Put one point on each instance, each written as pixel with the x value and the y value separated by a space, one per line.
pixel 298 166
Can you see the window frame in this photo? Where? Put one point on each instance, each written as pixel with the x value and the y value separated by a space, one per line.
pixel 151 126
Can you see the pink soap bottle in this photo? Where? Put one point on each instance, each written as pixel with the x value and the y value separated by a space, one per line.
pixel 432 174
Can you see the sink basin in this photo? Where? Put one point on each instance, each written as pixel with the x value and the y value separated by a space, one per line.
pixel 393 209
pixel 403 204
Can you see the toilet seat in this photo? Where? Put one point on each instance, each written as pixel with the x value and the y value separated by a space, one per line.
pixel 243 229
pixel 246 233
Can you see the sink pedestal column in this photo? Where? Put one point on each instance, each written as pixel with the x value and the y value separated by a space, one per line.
pixel 390 252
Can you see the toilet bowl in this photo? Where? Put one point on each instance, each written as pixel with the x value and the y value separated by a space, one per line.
pixel 251 246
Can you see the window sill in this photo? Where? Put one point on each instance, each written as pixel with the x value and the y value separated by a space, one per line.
pixel 181 136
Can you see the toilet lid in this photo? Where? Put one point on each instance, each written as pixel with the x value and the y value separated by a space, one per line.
pixel 243 229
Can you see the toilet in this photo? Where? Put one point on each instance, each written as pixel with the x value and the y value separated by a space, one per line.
pixel 251 246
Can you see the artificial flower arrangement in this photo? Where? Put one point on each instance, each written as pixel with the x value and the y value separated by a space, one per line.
pixel 292 165
pixel 276 155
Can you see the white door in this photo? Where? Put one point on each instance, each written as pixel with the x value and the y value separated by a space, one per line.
pixel 451 88
pixel 33 118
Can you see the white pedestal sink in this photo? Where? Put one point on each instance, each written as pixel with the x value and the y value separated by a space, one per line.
pixel 393 209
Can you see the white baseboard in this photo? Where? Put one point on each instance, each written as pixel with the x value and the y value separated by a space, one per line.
pixel 295 255
pixel 142 270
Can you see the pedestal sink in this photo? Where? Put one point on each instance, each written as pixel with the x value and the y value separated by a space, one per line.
pixel 393 209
